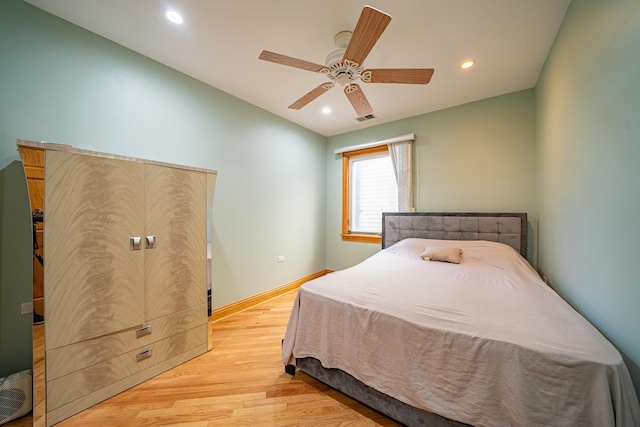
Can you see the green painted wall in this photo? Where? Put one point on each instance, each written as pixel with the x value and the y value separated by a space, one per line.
pixel 60 83
pixel 16 274
pixel 567 153
pixel 588 150
pixel 475 157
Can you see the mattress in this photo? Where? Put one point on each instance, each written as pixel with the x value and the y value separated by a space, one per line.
pixel 484 342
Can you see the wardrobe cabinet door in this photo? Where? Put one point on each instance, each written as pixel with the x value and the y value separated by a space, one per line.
pixel 93 281
pixel 175 213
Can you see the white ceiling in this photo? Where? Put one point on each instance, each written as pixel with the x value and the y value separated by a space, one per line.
pixel 220 41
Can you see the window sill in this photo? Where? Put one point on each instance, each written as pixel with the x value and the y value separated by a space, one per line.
pixel 363 238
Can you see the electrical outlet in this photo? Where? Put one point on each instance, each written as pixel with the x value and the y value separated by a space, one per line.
pixel 281 258
pixel 26 308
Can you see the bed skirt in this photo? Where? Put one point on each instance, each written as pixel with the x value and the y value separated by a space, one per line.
pixel 393 408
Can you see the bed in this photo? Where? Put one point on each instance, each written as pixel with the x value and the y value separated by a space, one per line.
pixel 481 342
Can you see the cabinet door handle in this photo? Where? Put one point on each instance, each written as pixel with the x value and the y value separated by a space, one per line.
pixel 146 330
pixel 134 243
pixel 151 242
pixel 143 355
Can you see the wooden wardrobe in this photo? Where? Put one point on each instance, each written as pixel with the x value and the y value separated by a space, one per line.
pixel 125 293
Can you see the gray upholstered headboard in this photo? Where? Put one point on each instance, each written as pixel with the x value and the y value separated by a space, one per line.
pixel 508 228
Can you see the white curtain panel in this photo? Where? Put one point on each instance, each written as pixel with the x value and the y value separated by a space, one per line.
pixel 400 153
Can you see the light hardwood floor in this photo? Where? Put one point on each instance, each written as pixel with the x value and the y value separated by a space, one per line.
pixel 240 382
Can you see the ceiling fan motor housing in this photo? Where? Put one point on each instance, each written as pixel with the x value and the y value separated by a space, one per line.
pixel 334 58
pixel 341 72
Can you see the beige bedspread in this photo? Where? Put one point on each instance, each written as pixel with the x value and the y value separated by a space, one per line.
pixel 484 342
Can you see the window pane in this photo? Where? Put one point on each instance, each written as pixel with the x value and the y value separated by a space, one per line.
pixel 373 191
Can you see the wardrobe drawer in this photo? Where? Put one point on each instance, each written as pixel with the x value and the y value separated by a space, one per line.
pixel 173 324
pixel 87 380
pixel 65 360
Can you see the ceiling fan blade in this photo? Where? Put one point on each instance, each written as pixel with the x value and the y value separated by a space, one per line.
pixel 265 55
pixel 420 76
pixel 311 96
pixel 370 26
pixel 358 100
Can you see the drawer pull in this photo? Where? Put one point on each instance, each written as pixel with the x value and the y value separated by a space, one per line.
pixel 134 243
pixel 143 355
pixel 151 242
pixel 143 331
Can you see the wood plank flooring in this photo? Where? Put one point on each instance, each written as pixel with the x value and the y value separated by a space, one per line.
pixel 240 382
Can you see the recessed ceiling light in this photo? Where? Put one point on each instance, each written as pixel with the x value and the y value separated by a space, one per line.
pixel 469 63
pixel 326 110
pixel 174 16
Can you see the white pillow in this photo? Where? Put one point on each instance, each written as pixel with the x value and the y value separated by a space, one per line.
pixel 435 253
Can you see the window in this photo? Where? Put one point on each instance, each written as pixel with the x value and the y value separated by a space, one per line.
pixel 368 189
pixel 376 177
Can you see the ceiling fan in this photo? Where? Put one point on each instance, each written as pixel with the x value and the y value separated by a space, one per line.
pixel 344 65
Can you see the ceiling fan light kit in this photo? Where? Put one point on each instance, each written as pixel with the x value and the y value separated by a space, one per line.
pixel 344 65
